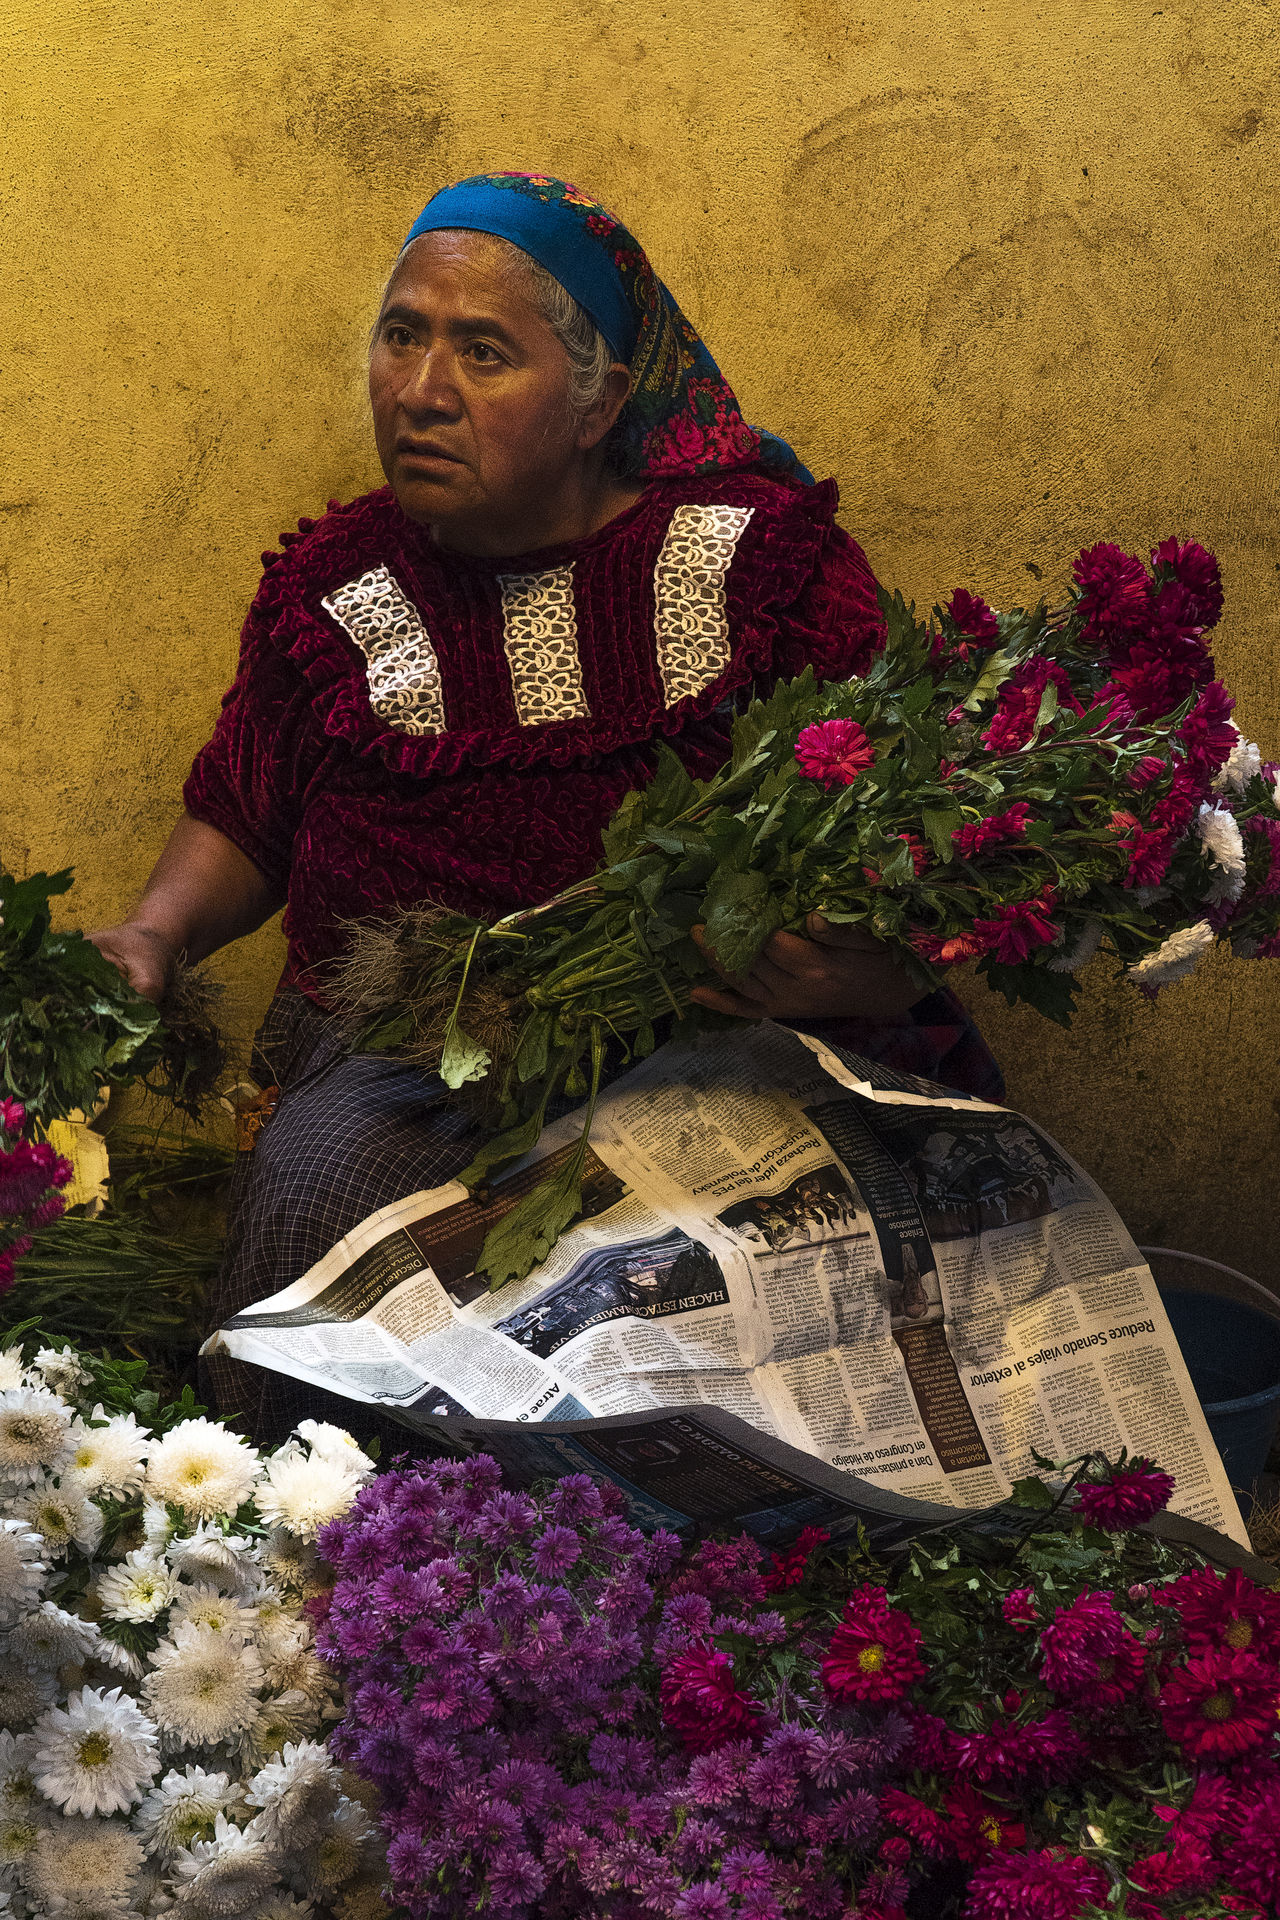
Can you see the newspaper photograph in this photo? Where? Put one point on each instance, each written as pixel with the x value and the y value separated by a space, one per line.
pixel 898 1294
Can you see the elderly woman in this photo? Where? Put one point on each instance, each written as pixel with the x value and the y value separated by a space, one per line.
pixel 446 687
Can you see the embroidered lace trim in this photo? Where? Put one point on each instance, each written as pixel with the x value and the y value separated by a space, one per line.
pixel 402 670
pixel 691 627
pixel 540 635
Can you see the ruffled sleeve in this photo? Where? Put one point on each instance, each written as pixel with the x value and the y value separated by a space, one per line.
pixel 252 779
pixel 835 624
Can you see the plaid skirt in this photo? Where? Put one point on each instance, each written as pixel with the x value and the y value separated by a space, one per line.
pixel 355 1132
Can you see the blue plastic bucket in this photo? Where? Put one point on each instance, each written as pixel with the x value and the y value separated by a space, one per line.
pixel 1232 1353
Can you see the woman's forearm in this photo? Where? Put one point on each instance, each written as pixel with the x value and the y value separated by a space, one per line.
pixel 202 893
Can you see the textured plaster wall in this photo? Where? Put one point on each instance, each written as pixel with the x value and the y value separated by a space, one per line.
pixel 1007 270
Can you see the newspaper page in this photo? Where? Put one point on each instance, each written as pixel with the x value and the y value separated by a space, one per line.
pixel 913 1289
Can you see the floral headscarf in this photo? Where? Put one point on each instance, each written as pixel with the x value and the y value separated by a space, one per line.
pixel 681 417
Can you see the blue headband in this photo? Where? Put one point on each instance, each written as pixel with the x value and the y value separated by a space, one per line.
pixel 554 242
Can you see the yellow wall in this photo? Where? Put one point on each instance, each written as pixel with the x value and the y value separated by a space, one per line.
pixel 1007 269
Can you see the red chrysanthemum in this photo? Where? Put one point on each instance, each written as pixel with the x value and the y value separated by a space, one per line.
pixel 1007 1750
pixel 1219 1705
pixel 925 1824
pixel 1014 720
pixel 1252 1855
pixel 975 1825
pixel 1089 1653
pixel 701 1703
pixel 834 752
pixel 1150 767
pixel 1224 1611
pixel 1046 1884
pixel 1014 931
pixel 1114 589
pixel 875 1651
pixel 1176 810
pixel 993 831
pixel 973 617
pixel 949 950
pixel 1207 735
pixel 1196 571
pixel 1128 1496
pixel 788 1568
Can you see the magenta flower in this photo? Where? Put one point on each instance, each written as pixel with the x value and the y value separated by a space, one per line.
pixel 1128 1496
pixel 1015 931
pixel 1019 1610
pixel 1089 1653
pixel 1197 572
pixel 995 830
pixel 1219 1705
pixel 1014 720
pixel 874 1653
pixel 1206 736
pixel 834 752
pixel 1114 589
pixel 1048 1884
pixel 701 1703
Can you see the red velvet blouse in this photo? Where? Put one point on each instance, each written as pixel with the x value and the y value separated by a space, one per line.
pixel 409 723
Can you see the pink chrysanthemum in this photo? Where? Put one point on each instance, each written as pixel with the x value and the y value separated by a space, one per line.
pixel 875 1651
pixel 834 752
pixel 1128 1496
pixel 1019 1610
pixel 1219 1705
pixel 973 617
pixel 994 831
pixel 1224 1612
pixel 1014 720
pixel 1252 1856
pixel 1150 767
pixel 1048 1885
pixel 1015 931
pixel 1206 735
pixel 702 1704
pixel 1089 1653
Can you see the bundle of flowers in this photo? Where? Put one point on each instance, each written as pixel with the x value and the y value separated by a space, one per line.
pixel 1057 1717
pixel 1015 789
pixel 162 1708
pixel 70 1025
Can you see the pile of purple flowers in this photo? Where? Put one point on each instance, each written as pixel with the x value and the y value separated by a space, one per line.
pixel 547 1703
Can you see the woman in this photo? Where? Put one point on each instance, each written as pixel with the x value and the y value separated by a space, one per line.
pixel 446 687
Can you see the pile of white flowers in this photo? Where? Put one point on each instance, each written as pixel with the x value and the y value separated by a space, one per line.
pixel 162 1709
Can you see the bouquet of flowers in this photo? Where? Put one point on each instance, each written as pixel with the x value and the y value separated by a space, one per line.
pixel 1057 1716
pixel 70 1025
pixel 1015 789
pixel 162 1708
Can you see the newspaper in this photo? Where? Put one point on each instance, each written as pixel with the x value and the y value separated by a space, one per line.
pixel 897 1292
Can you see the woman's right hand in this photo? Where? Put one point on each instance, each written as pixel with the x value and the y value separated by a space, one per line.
pixel 145 958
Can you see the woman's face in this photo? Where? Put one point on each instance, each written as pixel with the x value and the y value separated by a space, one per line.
pixel 470 393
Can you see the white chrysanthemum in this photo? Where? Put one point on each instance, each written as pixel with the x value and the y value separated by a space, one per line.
pixel 61 1371
pixel 52 1637
pixel 1080 952
pixel 304 1493
pixel 1224 849
pixel 203 1686
pixel 12 1371
pixel 35 1434
pixel 75 1859
pixel 22 1568
pixel 211 1557
pixel 140 1588
pixel 25 1692
pixel 283 1906
pixel 206 1607
pixel 108 1457
pixel 1240 765
pixel 18 1835
pixel 91 1905
pixel 320 1870
pixel 289 1662
pixel 63 1516
pixel 97 1754
pixel 335 1443
pixel 298 1794
pixel 290 1560
pixel 184 1808
pixel 280 1719
pixel 1175 957
pixel 225 1875
pixel 157 1528
pixel 202 1468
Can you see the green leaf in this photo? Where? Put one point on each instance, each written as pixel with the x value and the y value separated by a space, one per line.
pixel 939 823
pixel 1032 1493
pixel 526 1235
pixel 1052 994
pixel 505 1146
pixel 741 913
pixel 461 1057
pixel 995 671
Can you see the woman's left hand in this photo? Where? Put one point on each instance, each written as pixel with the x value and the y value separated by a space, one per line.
pixel 838 972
